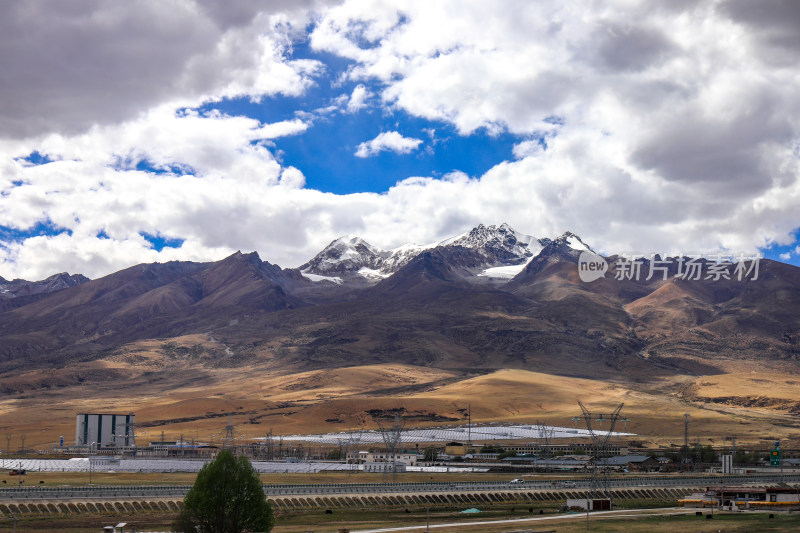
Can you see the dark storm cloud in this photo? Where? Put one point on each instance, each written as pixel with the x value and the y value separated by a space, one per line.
pixel 775 23
pixel 68 65
pixel 622 47
pixel 65 66
pixel 717 152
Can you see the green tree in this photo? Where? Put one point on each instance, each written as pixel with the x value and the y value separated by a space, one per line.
pixel 708 454
pixel 226 497
pixel 335 455
pixel 430 454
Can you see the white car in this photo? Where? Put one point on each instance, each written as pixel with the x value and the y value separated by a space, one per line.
pixel 517 480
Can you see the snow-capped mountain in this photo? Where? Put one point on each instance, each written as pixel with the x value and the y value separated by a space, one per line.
pixel 499 252
pixel 343 256
pixel 568 240
pixel 497 244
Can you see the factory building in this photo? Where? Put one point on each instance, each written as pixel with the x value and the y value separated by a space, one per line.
pixel 103 430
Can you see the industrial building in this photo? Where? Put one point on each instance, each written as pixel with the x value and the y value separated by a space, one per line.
pixel 745 498
pixel 104 430
pixel 382 456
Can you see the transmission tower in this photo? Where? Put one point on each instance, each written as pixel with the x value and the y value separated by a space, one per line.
pixel 732 438
pixel 391 437
pixel 545 434
pixel 230 439
pixel 352 442
pixel 600 481
pixel 269 446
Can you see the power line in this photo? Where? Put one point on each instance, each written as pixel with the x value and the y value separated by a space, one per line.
pixel 600 480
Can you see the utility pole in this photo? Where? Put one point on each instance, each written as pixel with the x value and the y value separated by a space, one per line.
pixel 428 518
pixel 469 425
pixel 685 450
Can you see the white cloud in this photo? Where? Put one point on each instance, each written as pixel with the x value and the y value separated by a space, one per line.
pixel 785 256
pixel 358 99
pixel 527 149
pixel 292 177
pixel 391 141
pixel 669 125
pixel 675 123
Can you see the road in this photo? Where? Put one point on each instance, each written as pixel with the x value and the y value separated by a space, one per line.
pixel 521 521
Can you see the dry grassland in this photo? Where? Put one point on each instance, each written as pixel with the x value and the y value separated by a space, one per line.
pixel 171 393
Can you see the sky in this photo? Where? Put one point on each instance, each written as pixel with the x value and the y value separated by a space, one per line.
pixel 159 130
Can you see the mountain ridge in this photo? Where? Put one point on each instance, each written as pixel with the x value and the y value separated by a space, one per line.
pixel 433 309
pixel 352 257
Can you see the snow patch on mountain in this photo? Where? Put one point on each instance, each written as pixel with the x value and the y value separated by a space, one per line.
pixel 400 256
pixel 373 274
pixel 505 272
pixel 316 277
pixel 502 253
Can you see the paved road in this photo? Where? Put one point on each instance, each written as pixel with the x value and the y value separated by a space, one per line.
pixel 521 521
pixel 179 491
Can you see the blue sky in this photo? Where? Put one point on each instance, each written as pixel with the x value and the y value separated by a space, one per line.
pixel 325 152
pixel 279 129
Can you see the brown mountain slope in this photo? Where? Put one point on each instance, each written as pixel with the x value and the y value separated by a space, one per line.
pixel 427 313
pixel 143 302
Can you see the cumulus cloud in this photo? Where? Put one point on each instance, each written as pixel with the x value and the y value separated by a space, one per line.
pixel 647 126
pixel 358 99
pixel 676 114
pixel 69 65
pixel 390 141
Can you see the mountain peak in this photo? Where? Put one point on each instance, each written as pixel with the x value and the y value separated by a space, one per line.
pixel 573 241
pixel 499 245
pixel 345 255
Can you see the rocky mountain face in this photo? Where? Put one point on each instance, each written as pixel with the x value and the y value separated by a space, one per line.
pixel 19 292
pixel 354 304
